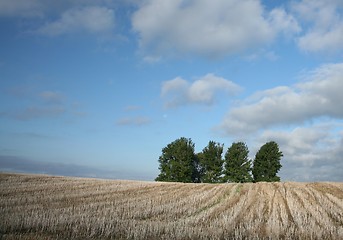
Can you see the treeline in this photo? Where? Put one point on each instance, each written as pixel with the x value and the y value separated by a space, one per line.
pixel 179 163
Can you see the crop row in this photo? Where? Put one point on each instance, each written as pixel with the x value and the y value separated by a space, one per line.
pixel 45 207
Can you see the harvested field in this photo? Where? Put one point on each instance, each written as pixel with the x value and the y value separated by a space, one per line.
pixel 47 207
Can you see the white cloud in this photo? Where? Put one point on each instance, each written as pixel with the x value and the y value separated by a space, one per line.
pixel 177 84
pixel 202 91
pixel 283 22
pixel 210 28
pixel 325 31
pixel 176 91
pixel 319 96
pixel 94 20
pixel 317 41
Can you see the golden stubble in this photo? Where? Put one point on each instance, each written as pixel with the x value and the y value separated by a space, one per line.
pixel 46 207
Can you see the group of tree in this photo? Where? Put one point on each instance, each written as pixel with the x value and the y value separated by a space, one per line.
pixel 179 163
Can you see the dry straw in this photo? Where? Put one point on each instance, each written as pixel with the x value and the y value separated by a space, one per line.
pixel 45 207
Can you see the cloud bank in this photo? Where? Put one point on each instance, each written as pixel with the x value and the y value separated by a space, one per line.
pixel 312 153
pixel 306 119
pixel 203 28
pixel 226 27
pixel 208 28
pixel 319 96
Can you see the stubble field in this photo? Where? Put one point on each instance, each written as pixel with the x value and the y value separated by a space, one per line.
pixel 46 207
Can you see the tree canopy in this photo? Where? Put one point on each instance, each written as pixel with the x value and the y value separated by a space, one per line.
pixel 267 163
pixel 237 163
pixel 179 163
pixel 211 163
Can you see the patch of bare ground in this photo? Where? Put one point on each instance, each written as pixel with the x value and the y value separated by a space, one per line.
pixel 45 207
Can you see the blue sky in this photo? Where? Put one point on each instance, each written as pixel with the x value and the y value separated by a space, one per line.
pixel 98 88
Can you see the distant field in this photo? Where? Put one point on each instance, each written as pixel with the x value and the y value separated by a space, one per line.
pixel 46 207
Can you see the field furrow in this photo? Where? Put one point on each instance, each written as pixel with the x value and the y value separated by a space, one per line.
pixel 45 207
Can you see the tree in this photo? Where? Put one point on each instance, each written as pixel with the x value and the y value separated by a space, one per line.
pixel 267 163
pixel 237 163
pixel 178 162
pixel 211 163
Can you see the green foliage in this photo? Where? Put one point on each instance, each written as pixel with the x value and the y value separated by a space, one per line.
pixel 237 164
pixel 211 163
pixel 178 162
pixel 267 163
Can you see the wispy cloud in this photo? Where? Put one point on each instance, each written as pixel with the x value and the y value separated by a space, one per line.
pixel 132 108
pixel 92 19
pixel 31 104
pixel 52 97
pixel 21 8
pixel 19 164
pixel 179 91
pixel 133 121
pixel 35 112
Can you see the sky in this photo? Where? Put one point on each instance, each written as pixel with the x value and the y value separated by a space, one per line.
pixel 97 88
